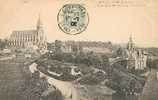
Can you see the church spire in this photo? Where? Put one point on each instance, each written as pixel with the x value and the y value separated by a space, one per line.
pixel 130 43
pixel 39 23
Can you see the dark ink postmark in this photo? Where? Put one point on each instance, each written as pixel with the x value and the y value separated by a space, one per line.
pixel 73 19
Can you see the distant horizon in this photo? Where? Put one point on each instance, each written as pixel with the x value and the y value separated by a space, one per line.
pixel 105 24
pixel 53 40
pixel 113 43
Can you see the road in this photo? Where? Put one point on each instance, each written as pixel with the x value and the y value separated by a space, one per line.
pixel 11 80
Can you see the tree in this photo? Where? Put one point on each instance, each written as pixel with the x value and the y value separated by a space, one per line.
pixel 152 64
pixel 3 44
pixel 74 48
pixel 80 57
pixel 58 46
pixel 106 66
pixel 105 61
pixel 52 95
pixel 119 52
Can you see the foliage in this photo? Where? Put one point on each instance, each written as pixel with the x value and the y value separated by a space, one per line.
pixel 93 78
pixel 3 44
pixel 152 63
pixel 58 46
pixel 54 95
pixel 119 52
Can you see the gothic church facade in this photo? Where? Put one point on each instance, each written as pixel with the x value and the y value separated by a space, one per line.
pixel 29 38
pixel 136 58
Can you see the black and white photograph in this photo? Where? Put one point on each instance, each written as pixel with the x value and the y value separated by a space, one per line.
pixel 78 50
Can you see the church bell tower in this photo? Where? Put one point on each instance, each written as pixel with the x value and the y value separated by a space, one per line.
pixel 130 45
pixel 39 23
pixel 40 34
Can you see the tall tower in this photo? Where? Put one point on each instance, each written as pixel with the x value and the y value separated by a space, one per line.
pixel 39 23
pixel 131 53
pixel 40 31
pixel 40 34
pixel 130 45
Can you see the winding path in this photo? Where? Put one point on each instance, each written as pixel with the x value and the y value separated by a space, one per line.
pixel 66 88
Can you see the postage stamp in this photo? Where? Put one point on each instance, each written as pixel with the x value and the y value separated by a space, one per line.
pixel 73 19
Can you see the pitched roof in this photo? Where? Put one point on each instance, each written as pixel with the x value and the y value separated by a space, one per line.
pixel 27 32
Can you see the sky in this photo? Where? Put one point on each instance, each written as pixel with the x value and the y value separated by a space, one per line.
pixel 113 24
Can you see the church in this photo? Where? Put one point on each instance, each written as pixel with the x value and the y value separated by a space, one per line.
pixel 29 38
pixel 136 58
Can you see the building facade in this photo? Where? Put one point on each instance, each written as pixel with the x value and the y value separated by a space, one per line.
pixel 29 38
pixel 136 58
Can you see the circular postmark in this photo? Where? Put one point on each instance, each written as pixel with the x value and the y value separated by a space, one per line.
pixel 73 19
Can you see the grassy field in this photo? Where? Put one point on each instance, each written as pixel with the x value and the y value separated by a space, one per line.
pixel 11 79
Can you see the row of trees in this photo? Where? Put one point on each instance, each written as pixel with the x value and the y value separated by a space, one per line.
pixel 152 63
pixel 83 58
pixel 91 43
pixel 60 46
pixel 88 59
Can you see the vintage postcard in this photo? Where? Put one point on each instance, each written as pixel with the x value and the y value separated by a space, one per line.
pixel 78 50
